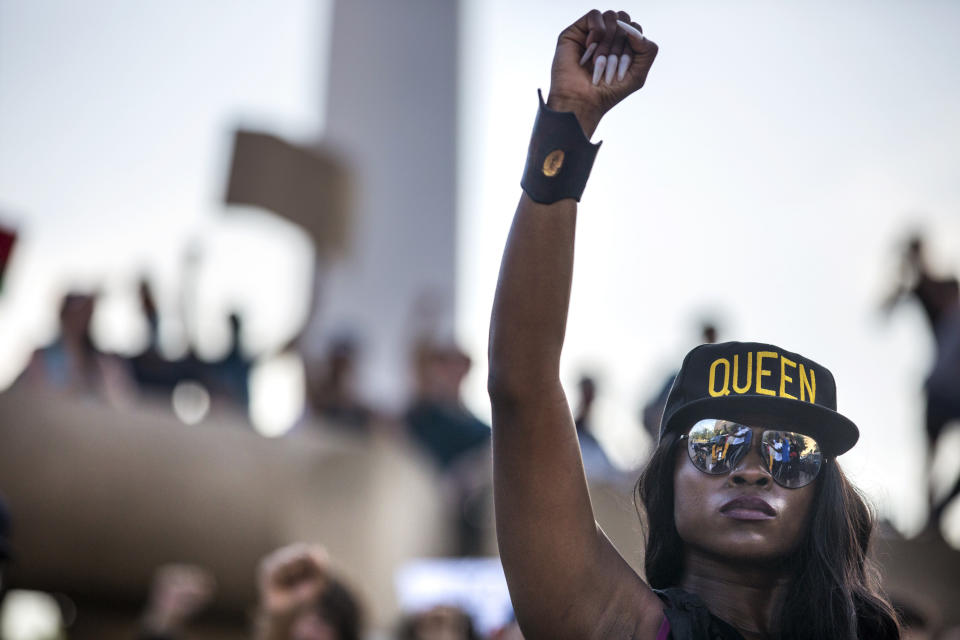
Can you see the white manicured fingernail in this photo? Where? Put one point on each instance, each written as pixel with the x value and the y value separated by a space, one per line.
pixel 630 29
pixel 598 69
pixel 624 65
pixel 588 53
pixel 611 68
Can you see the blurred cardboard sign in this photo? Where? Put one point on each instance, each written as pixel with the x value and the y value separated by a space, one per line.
pixel 308 186
pixel 7 239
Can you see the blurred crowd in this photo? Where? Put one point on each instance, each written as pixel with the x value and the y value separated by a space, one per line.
pixel 301 594
pixel 435 418
pixel 300 597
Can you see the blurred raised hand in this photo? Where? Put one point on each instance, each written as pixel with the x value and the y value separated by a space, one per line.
pixel 289 580
pixel 178 593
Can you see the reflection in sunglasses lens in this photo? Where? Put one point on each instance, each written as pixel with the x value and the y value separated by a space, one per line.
pixel 792 458
pixel 717 446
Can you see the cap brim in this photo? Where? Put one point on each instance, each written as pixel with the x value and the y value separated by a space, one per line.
pixel 835 433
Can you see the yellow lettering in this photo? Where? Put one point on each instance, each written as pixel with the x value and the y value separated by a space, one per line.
pixel 764 372
pixel 725 390
pixel 784 378
pixel 736 364
pixel 808 385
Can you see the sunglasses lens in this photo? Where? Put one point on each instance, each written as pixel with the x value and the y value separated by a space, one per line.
pixel 716 446
pixel 793 459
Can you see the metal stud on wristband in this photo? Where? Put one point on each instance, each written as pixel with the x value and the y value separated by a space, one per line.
pixel 559 158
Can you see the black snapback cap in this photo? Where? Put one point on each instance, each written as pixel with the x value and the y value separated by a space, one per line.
pixel 759 385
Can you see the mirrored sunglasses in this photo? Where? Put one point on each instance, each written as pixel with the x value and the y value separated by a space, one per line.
pixel 716 447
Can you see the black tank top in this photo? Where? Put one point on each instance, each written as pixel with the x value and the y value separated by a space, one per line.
pixel 690 619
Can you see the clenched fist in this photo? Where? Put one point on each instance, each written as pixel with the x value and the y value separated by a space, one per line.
pixel 600 59
pixel 290 579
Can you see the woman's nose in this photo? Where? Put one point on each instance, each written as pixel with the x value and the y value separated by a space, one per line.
pixel 751 470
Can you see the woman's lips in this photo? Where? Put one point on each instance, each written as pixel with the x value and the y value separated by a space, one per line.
pixel 748 508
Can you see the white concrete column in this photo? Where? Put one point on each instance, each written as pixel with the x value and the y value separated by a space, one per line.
pixel 391 108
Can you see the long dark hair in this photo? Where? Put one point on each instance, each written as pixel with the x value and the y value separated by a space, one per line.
pixel 835 592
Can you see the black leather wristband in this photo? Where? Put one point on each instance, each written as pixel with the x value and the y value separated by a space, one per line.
pixel 559 158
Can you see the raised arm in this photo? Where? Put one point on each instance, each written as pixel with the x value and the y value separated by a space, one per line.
pixel 566 580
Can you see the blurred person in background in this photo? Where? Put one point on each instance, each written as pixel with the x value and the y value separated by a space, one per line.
pixel 456 440
pixel 652 411
pixel 74 365
pixel 595 460
pixel 437 418
pixel 227 379
pixel 301 598
pixel 153 372
pixel 331 388
pixel 939 297
pixel 438 623
pixel 178 593
pixel 731 549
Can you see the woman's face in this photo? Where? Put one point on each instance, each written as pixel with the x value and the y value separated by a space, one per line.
pixel 742 515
